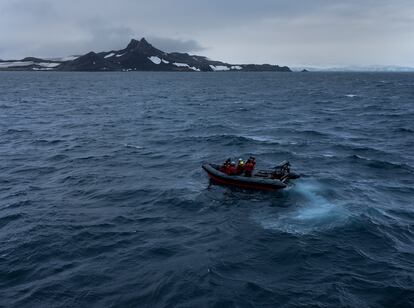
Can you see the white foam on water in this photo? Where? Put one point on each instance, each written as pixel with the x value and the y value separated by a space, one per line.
pixel 313 213
pixel 261 138
pixel 350 95
pixel 133 146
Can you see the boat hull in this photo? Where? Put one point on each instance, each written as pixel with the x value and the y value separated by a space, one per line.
pixel 242 181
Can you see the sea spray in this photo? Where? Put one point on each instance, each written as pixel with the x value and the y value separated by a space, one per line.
pixel 311 211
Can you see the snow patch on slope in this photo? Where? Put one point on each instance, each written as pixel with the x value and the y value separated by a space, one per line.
pixel 48 65
pixel 155 60
pixel 68 58
pixel 181 64
pixel 186 65
pixel 15 64
pixel 219 68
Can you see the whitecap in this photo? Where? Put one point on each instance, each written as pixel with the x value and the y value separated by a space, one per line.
pixel 133 146
pixel 260 138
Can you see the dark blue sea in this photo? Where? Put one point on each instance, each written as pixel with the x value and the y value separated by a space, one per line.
pixel 103 202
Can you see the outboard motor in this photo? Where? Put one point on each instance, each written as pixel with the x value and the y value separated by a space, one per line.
pixel 282 168
pixel 283 172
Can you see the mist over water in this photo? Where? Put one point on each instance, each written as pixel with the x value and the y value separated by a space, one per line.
pixel 103 202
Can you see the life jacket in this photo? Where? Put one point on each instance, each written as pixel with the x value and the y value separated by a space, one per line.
pixel 225 165
pixel 231 170
pixel 249 166
pixel 240 168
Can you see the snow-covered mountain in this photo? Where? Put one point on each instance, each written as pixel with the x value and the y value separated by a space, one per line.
pixel 139 55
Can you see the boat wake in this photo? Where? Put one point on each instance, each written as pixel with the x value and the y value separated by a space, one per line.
pixel 312 212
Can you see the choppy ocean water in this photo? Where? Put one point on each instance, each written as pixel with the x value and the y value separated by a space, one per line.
pixel 103 202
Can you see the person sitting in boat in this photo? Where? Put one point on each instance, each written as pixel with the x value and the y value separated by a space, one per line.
pixel 223 167
pixel 253 160
pixel 240 167
pixel 249 167
pixel 231 169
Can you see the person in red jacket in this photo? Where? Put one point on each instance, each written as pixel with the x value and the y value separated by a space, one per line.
pixel 249 167
pixel 223 167
pixel 253 160
pixel 231 169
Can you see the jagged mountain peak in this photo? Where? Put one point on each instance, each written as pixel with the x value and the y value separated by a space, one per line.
pixel 144 41
pixel 141 46
pixel 132 44
pixel 91 54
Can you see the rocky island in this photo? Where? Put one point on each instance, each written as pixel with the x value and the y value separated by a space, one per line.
pixel 139 55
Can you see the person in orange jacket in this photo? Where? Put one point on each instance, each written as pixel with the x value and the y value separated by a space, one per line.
pixel 249 167
pixel 253 160
pixel 231 169
pixel 223 167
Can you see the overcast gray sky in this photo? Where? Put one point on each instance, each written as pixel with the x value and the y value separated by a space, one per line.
pixel 288 32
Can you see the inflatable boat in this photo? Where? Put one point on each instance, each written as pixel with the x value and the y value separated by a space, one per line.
pixel 269 180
